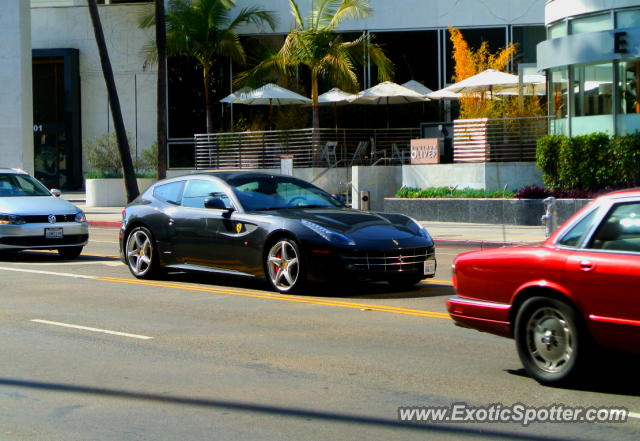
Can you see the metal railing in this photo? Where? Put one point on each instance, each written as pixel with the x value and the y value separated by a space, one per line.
pixel 262 150
pixel 498 140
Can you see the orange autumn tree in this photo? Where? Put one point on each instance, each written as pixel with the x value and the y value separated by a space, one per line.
pixel 469 63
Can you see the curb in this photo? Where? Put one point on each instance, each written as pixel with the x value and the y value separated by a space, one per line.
pixel 482 244
pixel 104 224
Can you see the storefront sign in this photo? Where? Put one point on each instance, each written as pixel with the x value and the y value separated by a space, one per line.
pixel 425 151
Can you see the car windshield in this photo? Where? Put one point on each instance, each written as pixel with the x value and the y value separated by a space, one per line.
pixel 279 192
pixel 20 185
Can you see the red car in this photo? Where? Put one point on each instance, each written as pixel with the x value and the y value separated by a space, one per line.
pixel 577 291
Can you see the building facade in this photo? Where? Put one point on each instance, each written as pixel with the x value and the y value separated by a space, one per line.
pixel 592 60
pixel 71 102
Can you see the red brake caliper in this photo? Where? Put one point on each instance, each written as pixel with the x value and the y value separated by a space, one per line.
pixel 277 267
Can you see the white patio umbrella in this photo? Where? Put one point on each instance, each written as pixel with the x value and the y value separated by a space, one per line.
pixel 443 95
pixel 388 93
pixel 270 94
pixel 335 97
pixel 417 87
pixel 488 81
pixel 235 95
pixel 532 85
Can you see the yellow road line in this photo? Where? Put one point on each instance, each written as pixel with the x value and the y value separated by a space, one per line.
pixel 310 300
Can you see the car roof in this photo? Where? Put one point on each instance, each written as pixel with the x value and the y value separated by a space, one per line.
pixel 630 192
pixel 226 176
pixel 12 171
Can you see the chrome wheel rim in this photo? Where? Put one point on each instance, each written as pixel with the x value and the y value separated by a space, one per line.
pixel 139 253
pixel 550 340
pixel 283 266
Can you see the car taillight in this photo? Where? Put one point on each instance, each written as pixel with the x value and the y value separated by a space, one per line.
pixel 453 276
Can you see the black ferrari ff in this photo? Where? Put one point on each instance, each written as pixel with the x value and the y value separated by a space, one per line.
pixel 268 226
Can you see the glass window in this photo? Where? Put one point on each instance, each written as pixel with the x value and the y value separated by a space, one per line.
pixel 20 185
pixel 197 190
pixel 169 193
pixel 629 76
pixel 620 229
pixel 592 23
pixel 557 30
pixel 559 87
pixel 278 192
pixel 628 19
pixel 573 236
pixel 594 90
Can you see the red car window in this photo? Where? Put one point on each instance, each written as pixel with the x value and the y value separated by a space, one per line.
pixel 619 230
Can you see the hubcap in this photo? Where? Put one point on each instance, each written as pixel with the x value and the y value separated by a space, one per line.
pixel 283 266
pixel 550 340
pixel 139 253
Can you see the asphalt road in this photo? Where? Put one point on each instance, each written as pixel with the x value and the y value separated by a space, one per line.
pixel 196 357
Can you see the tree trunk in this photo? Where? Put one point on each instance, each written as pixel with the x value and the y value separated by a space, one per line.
pixel 128 172
pixel 207 98
pixel 161 43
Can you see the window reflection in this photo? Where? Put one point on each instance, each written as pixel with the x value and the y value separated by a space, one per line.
pixel 629 84
pixel 559 87
pixel 593 90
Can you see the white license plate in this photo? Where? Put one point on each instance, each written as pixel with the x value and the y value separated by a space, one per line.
pixel 53 233
pixel 429 267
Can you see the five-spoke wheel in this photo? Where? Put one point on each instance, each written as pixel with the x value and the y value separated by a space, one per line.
pixel 141 254
pixel 284 266
pixel 550 339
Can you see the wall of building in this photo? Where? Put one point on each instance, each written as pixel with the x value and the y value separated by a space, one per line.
pixel 70 27
pixel 16 97
pixel 559 9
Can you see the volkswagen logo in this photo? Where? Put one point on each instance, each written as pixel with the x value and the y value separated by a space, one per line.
pixel 51 219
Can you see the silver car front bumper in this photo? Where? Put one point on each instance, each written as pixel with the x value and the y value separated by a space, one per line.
pixel 32 236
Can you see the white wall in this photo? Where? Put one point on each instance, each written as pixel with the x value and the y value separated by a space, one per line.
pixel 479 176
pixel 559 9
pixel 380 181
pixel 420 14
pixel 70 27
pixel 16 93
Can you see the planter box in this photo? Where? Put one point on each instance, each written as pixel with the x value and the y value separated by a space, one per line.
pixel 110 192
pixel 482 211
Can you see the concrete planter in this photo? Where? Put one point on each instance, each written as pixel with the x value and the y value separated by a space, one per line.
pixel 110 192
pixel 483 211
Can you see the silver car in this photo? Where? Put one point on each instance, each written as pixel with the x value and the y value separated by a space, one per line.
pixel 32 217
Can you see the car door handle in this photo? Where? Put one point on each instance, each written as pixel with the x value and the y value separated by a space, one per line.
pixel 587 265
pixel 171 222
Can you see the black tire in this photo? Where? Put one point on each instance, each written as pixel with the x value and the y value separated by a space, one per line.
pixel 280 265
pixel 141 254
pixel 70 252
pixel 553 341
pixel 405 282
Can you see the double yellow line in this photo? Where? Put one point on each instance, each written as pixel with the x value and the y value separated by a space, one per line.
pixel 310 300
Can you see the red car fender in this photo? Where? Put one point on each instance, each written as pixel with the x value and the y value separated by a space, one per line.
pixel 547 284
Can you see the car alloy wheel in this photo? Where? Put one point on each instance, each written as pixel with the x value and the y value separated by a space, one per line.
pixel 551 340
pixel 283 265
pixel 141 253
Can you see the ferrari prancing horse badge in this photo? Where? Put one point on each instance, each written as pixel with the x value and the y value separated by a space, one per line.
pixel 238 228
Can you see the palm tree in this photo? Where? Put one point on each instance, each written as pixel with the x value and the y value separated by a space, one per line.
pixel 161 90
pixel 315 44
pixel 128 172
pixel 204 30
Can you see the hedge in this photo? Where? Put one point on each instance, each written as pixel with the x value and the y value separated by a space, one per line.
pixel 593 161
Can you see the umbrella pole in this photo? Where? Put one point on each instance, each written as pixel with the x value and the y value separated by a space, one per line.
pixel 387 112
pixel 335 114
pixel 270 105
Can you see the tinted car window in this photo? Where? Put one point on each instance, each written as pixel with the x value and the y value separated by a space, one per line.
pixel 573 236
pixel 275 192
pixel 21 185
pixel 198 190
pixel 620 229
pixel 169 193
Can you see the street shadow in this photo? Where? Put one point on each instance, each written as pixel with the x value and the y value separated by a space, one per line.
pixel 612 373
pixel 343 289
pixel 48 257
pixel 273 410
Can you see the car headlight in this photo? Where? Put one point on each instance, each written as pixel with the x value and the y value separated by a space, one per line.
pixel 11 219
pixel 421 230
pixel 80 217
pixel 331 236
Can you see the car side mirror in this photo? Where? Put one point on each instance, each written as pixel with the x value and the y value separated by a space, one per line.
pixel 217 204
pixel 57 193
pixel 338 198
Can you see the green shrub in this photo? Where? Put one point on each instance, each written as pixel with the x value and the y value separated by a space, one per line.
pixel 103 155
pixel 589 162
pixel 445 192
pixel 109 175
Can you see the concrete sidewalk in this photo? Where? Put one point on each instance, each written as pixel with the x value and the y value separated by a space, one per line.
pixel 443 233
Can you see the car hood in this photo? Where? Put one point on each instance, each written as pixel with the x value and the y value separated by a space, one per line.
pixel 357 224
pixel 32 205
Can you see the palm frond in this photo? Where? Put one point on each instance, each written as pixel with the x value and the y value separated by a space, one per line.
pixel 353 9
pixel 149 54
pixel 362 49
pixel 228 45
pixel 255 15
pixel 271 66
pixel 296 14
pixel 337 68
pixel 147 16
